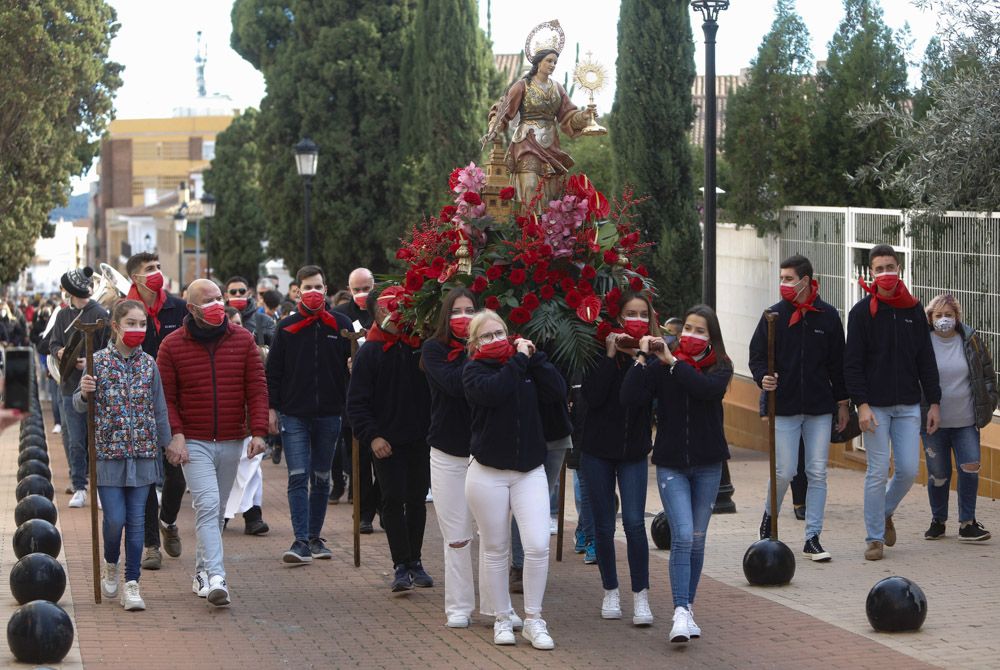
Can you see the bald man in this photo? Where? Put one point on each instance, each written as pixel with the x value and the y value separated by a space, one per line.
pixel 213 380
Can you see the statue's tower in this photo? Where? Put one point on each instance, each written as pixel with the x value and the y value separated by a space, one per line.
pixel 497 178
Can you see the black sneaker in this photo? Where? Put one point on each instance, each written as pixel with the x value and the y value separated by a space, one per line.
pixel 337 489
pixel 814 550
pixel 402 581
pixel 973 532
pixel 419 575
pixel 765 526
pixel 936 531
pixel 298 553
pixel 365 527
pixel 318 549
pixel 800 512
pixel 276 454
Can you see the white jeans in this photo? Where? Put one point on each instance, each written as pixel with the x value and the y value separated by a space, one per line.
pixel 455 519
pixel 493 494
pixel 210 474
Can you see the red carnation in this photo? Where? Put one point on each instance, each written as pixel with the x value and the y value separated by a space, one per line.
pixel 479 284
pixel 603 330
pixel 447 212
pixel 635 283
pixel 521 221
pixel 494 272
pixel 414 280
pixel 589 309
pixel 518 276
pixel 492 303
pixel 546 292
pixel 584 287
pixel 539 275
pixel 520 316
pixel 507 193
pixel 472 198
pixel 545 250
pixel 404 254
pixel 530 301
pixel 573 298
pixel 453 178
pixel 642 270
pixel 588 272
pixel 567 285
pixel 611 300
pixel 610 256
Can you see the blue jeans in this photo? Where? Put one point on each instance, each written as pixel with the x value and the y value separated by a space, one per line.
pixel 309 443
pixel 814 430
pixel 557 450
pixel 937 451
pixel 899 424
pixel 124 509
pixel 688 496
pixel 75 442
pixel 581 496
pixel 631 476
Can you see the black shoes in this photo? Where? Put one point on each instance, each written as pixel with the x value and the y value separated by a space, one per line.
pixel 298 554
pixel 800 512
pixel 765 526
pixel 973 532
pixel 366 528
pixel 814 550
pixel 318 549
pixel 337 490
pixel 936 531
pixel 402 581
pixel 419 576
pixel 253 520
pixel 276 454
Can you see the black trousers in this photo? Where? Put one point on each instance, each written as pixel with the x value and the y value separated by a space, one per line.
pixel 404 478
pixel 173 491
pixel 371 496
pixel 799 482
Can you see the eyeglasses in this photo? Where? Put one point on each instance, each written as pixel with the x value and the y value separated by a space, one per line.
pixel 495 336
pixel 237 291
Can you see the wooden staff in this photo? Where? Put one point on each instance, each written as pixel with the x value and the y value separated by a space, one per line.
pixel 562 510
pixel 771 317
pixel 88 334
pixel 355 459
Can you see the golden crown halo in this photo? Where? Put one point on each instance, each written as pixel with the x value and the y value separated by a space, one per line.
pixel 554 39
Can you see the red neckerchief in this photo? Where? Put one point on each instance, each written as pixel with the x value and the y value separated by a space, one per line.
pixel 307 319
pixel 481 355
pixel 376 334
pixel 806 306
pixel 457 349
pixel 699 365
pixel 900 298
pixel 154 310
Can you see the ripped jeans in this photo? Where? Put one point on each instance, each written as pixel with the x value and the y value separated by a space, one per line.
pixel 309 443
pixel 937 451
pixel 455 519
pixel 688 495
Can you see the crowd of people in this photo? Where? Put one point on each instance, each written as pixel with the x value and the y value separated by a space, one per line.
pixel 193 391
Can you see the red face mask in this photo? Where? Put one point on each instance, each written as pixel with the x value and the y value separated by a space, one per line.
pixel 238 303
pixel 887 280
pixel 789 292
pixel 214 313
pixel 500 350
pixel 636 326
pixel 460 326
pixel 133 338
pixel 154 281
pixel 693 345
pixel 361 300
pixel 314 299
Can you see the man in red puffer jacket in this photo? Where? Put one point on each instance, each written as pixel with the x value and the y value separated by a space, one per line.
pixel 214 384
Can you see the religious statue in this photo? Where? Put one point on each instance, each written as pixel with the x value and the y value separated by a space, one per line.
pixel 535 105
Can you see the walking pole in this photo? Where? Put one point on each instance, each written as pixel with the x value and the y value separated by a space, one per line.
pixel 562 510
pixel 88 334
pixel 355 460
pixel 771 318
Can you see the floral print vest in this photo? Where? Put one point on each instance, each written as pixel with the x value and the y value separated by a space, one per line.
pixel 125 423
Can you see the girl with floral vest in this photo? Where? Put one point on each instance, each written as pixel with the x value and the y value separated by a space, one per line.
pixel 131 428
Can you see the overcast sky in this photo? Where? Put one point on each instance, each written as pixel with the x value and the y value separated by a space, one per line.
pixel 157 42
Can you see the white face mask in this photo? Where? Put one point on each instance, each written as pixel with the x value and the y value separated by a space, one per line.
pixel 945 324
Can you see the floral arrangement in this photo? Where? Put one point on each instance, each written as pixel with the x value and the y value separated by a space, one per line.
pixel 555 277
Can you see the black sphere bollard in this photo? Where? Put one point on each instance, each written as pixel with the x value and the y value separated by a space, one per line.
pixel 37 535
pixel 40 632
pixel 33 454
pixel 33 467
pixel 32 441
pixel 659 529
pixel 896 604
pixel 768 562
pixel 33 430
pixel 37 576
pixel 35 507
pixel 34 484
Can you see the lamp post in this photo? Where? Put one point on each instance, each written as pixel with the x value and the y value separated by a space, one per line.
pixel 306 157
pixel 207 211
pixel 180 225
pixel 710 14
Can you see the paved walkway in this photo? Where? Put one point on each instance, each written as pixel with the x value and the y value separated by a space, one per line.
pixel 330 614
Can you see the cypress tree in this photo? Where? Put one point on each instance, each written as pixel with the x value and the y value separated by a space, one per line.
pixel 650 120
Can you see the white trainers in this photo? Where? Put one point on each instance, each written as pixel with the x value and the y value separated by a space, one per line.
pixel 641 614
pixel 131 600
pixel 515 621
pixel 200 584
pixel 57 428
pixel 537 633
pixel 692 626
pixel 553 525
pixel 218 591
pixel 458 621
pixel 79 499
pixel 611 608
pixel 503 631
pixel 681 632
pixel 109 580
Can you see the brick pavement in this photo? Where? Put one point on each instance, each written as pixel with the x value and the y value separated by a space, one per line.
pixel 330 614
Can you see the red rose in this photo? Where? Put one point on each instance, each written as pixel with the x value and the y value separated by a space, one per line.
pixel 492 303
pixel 545 250
pixel 521 221
pixel 611 299
pixel 598 204
pixel 472 198
pixel 436 266
pixel 518 276
pixel 453 178
pixel 589 309
pixel 404 254
pixel 546 292
pixel 479 284
pixel 507 193
pixel 414 280
pixel 584 287
pixel 520 316
pixel 539 275
pixel 567 285
pixel 530 301
pixel 494 272
pixel 635 283
pixel 603 330
pixel 573 298
pixel 588 272
pixel 642 270
pixel 447 212
pixel 610 256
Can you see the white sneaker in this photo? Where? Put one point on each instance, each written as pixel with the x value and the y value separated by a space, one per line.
pixel 537 633
pixel 692 626
pixel 109 580
pixel 131 600
pixel 57 428
pixel 681 632
pixel 200 584
pixel 79 498
pixel 429 497
pixel 641 614
pixel 99 505
pixel 611 608
pixel 458 621
pixel 553 525
pixel 218 591
pixel 503 631
pixel 515 621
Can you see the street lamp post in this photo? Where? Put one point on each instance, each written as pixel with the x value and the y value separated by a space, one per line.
pixel 306 157
pixel 710 14
pixel 180 225
pixel 208 211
